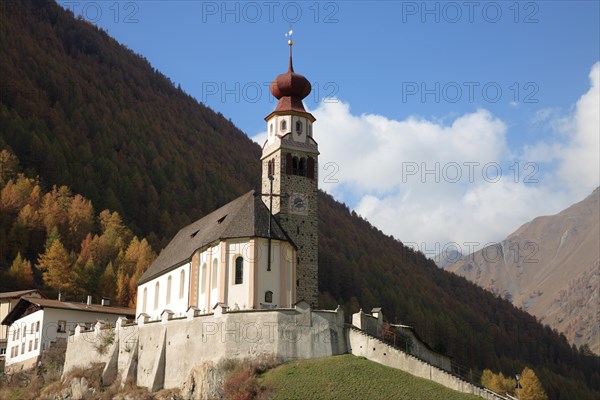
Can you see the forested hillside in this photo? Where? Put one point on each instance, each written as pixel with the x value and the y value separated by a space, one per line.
pixel 54 241
pixel 79 109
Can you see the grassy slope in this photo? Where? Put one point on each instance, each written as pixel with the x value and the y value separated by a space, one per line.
pixel 347 377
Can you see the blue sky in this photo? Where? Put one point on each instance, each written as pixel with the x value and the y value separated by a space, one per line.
pixel 515 69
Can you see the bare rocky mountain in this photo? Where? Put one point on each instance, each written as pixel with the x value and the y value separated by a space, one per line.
pixel 549 267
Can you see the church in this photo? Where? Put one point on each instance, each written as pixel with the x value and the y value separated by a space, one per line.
pixel 260 250
pixel 241 283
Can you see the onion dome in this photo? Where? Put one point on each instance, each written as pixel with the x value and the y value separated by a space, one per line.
pixel 290 88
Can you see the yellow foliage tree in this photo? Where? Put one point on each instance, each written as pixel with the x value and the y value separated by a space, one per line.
pixel 54 209
pixel 55 265
pixel 9 165
pixel 20 273
pixel 80 217
pixel 123 296
pixel 16 193
pixel 531 386
pixel 498 382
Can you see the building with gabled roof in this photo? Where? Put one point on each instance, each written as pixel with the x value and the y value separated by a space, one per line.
pixel 222 258
pixel 36 323
pixel 7 302
pixel 259 251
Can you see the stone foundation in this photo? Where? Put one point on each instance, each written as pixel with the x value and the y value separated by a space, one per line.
pixel 167 353
pixel 163 353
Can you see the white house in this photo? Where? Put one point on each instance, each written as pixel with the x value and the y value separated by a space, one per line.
pixel 223 258
pixel 35 323
pixel 8 300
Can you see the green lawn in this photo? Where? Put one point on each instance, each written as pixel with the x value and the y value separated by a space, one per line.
pixel 349 377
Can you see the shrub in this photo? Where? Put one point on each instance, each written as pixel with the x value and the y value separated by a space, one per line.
pixel 241 382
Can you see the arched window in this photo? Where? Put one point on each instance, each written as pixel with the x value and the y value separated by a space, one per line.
pixel 271 128
pixel 309 130
pixel 181 283
pixel 271 166
pixel 310 168
pixel 239 270
pixel 268 296
pixel 215 271
pixel 203 280
pixel 169 284
pixel 302 167
pixel 144 299
pixel 288 163
pixel 295 166
pixel 156 293
pixel 283 125
pixel 298 126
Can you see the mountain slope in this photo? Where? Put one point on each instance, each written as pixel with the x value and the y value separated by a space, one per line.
pixel 80 109
pixel 550 268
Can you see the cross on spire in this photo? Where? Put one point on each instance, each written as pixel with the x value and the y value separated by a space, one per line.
pixel 290 43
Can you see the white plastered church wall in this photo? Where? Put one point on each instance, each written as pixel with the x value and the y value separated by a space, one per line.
pixel 153 303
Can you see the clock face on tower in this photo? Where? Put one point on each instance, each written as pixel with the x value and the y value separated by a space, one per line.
pixel 298 204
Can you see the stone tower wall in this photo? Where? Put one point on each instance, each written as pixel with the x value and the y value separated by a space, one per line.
pixel 301 228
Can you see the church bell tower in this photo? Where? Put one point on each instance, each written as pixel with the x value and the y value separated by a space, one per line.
pixel 290 161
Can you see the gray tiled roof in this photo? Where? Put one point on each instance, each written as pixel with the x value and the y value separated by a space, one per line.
pixel 246 216
pixel 17 294
pixel 22 307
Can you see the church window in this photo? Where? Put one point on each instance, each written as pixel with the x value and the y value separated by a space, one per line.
pixel 298 126
pixel 302 167
pixel 156 295
pixel 268 296
pixel 271 129
pixel 309 130
pixel 283 125
pixel 239 270
pixel 310 168
pixel 288 163
pixel 169 283
pixel 299 166
pixel 272 167
pixel 181 283
pixel 144 300
pixel 215 270
pixel 203 285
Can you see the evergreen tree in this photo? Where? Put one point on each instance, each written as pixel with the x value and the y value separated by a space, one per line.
pixel 107 284
pixel 53 236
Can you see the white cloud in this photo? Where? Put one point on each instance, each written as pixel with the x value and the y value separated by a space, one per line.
pixel 402 175
pixel 580 157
